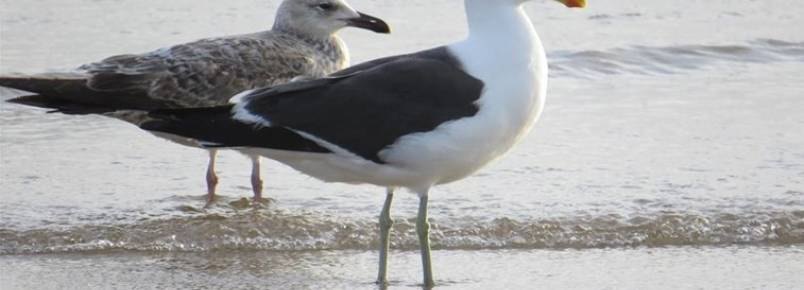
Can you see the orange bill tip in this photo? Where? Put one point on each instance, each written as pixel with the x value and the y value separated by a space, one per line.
pixel 575 3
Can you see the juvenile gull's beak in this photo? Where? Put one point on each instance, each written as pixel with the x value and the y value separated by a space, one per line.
pixel 369 22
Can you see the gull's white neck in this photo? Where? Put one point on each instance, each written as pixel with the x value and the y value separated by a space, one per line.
pixel 504 51
pixel 492 17
pixel 500 34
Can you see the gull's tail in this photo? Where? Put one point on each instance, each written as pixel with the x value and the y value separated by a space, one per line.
pixel 68 93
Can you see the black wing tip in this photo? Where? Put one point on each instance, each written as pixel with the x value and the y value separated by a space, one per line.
pixel 58 106
pixel 214 127
pixel 37 101
pixel 26 100
pixel 176 112
pixel 173 120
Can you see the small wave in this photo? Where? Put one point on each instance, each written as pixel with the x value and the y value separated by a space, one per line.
pixel 260 230
pixel 647 60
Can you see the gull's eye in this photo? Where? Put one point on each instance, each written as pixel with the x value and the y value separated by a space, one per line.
pixel 326 6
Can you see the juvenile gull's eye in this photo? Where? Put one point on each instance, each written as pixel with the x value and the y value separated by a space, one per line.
pixel 326 6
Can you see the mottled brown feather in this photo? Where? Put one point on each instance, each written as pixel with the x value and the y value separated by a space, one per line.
pixel 209 71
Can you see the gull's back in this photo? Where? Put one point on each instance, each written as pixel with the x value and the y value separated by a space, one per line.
pixel 208 72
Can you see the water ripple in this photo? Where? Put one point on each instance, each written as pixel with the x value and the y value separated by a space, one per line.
pixel 262 230
pixel 648 60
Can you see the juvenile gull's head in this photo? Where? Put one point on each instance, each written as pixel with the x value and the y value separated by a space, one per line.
pixel 321 18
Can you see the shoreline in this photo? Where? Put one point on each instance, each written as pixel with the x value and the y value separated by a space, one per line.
pixel 731 267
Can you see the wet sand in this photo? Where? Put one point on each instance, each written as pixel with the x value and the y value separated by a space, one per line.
pixel 644 268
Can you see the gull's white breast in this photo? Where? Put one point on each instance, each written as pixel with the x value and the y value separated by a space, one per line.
pixel 513 68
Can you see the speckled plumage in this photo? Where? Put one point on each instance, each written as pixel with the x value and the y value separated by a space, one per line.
pixel 208 72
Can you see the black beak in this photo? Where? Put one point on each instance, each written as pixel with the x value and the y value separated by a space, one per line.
pixel 369 22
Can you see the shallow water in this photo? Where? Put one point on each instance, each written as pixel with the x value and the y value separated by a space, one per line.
pixel 671 143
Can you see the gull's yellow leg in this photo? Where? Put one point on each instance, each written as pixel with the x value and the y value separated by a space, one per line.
pixel 385 236
pixel 423 229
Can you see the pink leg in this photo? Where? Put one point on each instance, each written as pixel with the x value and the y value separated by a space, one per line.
pixel 256 181
pixel 212 179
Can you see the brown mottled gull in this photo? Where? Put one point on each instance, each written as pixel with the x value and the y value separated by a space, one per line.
pixel 302 43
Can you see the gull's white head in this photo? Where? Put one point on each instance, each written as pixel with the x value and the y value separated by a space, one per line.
pixel 320 18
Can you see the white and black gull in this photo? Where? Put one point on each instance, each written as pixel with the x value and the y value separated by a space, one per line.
pixel 301 44
pixel 408 121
